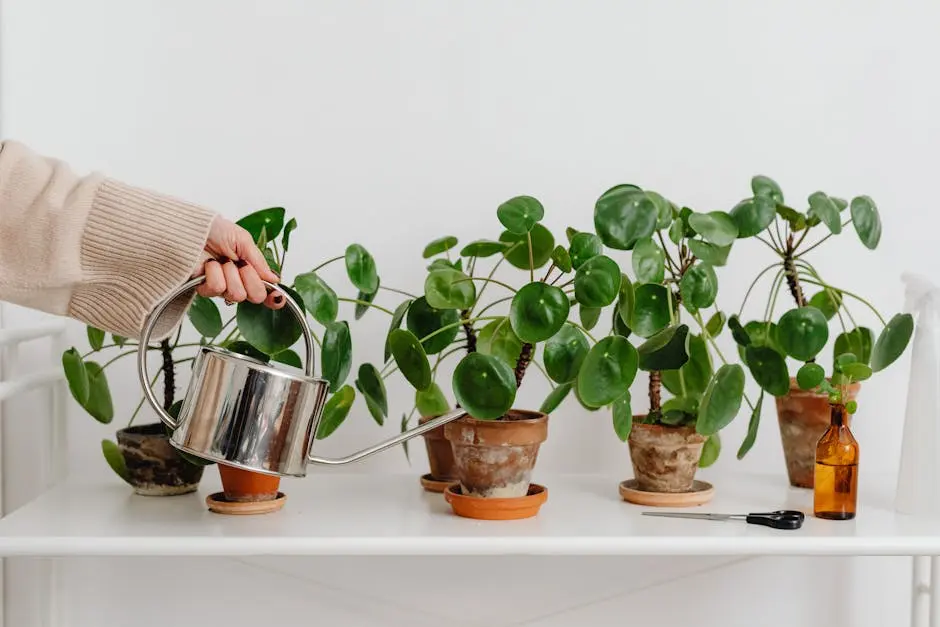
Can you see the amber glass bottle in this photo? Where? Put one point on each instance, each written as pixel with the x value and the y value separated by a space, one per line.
pixel 836 479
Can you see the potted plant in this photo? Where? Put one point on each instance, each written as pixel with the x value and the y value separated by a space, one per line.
pixel 142 455
pixel 674 254
pixel 495 447
pixel 767 343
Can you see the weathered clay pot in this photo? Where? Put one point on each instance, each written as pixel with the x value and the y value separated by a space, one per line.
pixel 245 486
pixel 495 458
pixel 803 417
pixel 154 467
pixel 665 459
pixel 440 453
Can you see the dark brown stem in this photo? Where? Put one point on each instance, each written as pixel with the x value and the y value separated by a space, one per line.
pixel 470 332
pixel 169 378
pixel 793 279
pixel 525 356
pixel 655 385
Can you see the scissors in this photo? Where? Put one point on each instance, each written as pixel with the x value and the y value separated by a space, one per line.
pixel 780 519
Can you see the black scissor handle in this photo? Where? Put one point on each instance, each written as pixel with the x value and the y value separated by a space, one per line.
pixel 780 519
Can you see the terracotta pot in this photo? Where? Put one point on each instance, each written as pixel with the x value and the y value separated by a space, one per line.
pixel 154 467
pixel 664 459
pixel 803 417
pixel 495 458
pixel 246 486
pixel 440 453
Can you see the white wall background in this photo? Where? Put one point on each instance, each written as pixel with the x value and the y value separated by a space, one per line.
pixel 392 123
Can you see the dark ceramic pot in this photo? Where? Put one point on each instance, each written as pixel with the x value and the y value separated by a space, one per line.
pixel 154 467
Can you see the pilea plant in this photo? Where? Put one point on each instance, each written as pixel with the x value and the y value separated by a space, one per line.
pixel 802 331
pixel 674 255
pixel 252 330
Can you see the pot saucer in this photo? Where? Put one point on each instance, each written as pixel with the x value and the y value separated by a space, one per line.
pixel 701 493
pixel 496 509
pixel 431 484
pixel 217 503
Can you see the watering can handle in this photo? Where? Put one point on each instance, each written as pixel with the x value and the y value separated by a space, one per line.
pixel 154 316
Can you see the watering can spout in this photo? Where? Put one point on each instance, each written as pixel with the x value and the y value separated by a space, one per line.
pixel 398 439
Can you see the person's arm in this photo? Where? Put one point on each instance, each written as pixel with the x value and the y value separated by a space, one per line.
pixel 93 248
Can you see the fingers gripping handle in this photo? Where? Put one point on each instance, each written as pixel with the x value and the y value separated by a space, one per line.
pixel 151 323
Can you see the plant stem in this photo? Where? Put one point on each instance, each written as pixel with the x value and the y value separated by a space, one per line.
pixel 542 370
pixel 769 245
pixel 833 293
pixel 469 331
pixel 153 381
pixel 855 296
pixel 550 268
pixel 494 303
pixel 669 260
pixel 754 282
pixel 397 291
pixel 114 359
pixel 329 261
pixel 525 357
pixel 169 375
pixel 583 330
pixel 366 303
pixel 655 390
pixel 442 356
pixel 106 347
pixel 179 332
pixel 487 280
pixel 230 321
pixel 492 272
pixel 793 280
pixel 528 237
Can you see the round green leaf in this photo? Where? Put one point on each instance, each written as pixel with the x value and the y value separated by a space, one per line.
pixel 809 376
pixel 538 311
pixel 709 253
pixel 851 407
pixel 288 228
pixel 752 427
pixel 76 375
pixel 858 341
pixel 410 358
pixel 802 332
pixel 268 330
pixel 649 261
pixel 564 354
pixel 484 386
pixel 763 334
pixel 827 301
pixel 623 215
pixel 318 297
pixel 555 398
pixel 822 207
pixel 336 354
pixel 360 267
pixel 370 383
pixel 561 258
pixel 242 347
pixel 769 369
pixel 765 186
pixel 114 457
pixel 738 333
pixel 443 264
pixel 796 220
pixel 423 320
pixel 857 371
pixel 892 342
pixel 626 302
pixel 271 221
pixel 438 246
pixel 482 248
pixel 710 451
pixel 699 287
pixel 205 316
pixel 449 289
pixel 695 374
pixel 623 417
pixel 867 221
pixel 667 350
pixel 584 246
pixel 618 326
pixel 397 316
pixel 520 214
pixel 543 243
pixel 499 340
pixel 753 215
pixel 290 358
pixel 589 316
pixel 335 411
pixel 663 210
pixel 96 336
pixel 364 304
pixel 597 282
pixel 651 309
pixel 431 402
pixel 715 324
pixel 715 227
pixel 608 371
pixel 721 400
pixel 99 394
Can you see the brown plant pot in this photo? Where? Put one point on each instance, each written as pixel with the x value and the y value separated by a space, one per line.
pixel 440 453
pixel 495 458
pixel 154 467
pixel 803 417
pixel 665 459
pixel 246 486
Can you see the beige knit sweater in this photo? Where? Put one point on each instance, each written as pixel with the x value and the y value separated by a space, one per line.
pixel 92 248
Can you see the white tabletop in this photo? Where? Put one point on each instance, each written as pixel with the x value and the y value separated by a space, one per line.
pixel 337 514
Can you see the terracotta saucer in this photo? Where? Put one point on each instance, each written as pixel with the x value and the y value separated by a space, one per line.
pixel 702 492
pixel 218 504
pixel 496 509
pixel 431 484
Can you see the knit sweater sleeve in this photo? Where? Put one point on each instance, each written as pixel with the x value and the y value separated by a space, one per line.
pixel 92 248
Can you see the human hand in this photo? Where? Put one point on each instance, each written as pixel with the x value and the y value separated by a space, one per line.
pixel 234 267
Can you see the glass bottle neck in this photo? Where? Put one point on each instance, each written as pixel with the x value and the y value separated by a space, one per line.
pixel 838 417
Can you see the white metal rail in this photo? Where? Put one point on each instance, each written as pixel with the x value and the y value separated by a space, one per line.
pixel 53 466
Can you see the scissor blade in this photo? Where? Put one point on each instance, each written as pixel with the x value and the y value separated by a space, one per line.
pixel 688 515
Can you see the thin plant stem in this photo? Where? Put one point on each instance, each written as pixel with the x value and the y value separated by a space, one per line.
pixel 490 275
pixel 769 245
pixel 550 268
pixel 669 259
pixel 397 291
pixel 487 280
pixel 442 356
pixel 831 291
pixel 535 363
pixel 754 283
pixel 772 300
pixel 583 330
pixel 711 340
pixel 114 359
pixel 777 229
pixel 153 382
pixel 528 237
pixel 855 296
pixel 494 303
pixel 106 347
pixel 329 261
pixel 366 303
pixel 230 321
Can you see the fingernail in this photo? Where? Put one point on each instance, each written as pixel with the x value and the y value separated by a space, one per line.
pixel 241 263
pixel 278 299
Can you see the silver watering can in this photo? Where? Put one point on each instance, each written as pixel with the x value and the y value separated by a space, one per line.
pixel 242 412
